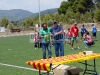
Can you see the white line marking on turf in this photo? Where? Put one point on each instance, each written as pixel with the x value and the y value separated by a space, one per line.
pixel 16 66
pixel 20 67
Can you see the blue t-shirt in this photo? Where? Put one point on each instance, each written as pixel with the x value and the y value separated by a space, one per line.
pixel 94 29
pixel 86 30
pixel 82 30
pixel 55 30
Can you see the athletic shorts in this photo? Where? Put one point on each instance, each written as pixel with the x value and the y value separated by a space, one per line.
pixel 74 38
pixel 94 34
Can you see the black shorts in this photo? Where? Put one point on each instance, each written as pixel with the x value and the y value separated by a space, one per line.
pixel 94 34
pixel 82 34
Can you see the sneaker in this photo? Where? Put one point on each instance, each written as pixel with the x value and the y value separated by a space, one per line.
pixel 78 47
pixel 72 48
pixel 86 47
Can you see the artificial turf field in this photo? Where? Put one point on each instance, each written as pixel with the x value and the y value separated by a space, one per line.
pixel 17 50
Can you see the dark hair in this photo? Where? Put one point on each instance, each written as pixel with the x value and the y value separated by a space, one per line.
pixel 55 21
pixel 87 33
pixel 83 25
pixel 92 24
pixel 44 24
pixel 68 28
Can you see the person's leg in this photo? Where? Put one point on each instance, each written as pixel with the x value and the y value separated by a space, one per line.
pixel 44 50
pixel 56 45
pixel 76 39
pixel 72 43
pixel 69 41
pixel 36 45
pixel 49 50
pixel 85 43
pixel 61 45
pixel 81 36
pixel 95 36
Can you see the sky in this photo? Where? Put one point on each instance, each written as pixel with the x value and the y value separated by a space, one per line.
pixel 30 5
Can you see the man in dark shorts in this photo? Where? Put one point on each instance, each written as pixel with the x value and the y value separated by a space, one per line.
pixel 94 31
pixel 83 30
pixel 75 35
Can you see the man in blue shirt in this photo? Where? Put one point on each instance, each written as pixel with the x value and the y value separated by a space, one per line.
pixel 94 31
pixel 82 31
pixel 58 39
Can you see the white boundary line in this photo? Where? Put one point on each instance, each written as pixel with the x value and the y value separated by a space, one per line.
pixel 8 65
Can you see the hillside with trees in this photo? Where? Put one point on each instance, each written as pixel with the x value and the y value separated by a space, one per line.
pixel 70 11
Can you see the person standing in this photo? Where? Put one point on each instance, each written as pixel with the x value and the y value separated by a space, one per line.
pixel 58 39
pixel 94 31
pixel 75 35
pixel 45 40
pixel 35 39
pixel 69 35
pixel 82 31
pixel 36 36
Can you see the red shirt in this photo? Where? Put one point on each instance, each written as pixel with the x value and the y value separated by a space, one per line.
pixel 74 30
pixel 69 34
pixel 35 38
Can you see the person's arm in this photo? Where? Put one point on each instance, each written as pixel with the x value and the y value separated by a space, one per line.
pixel 41 34
pixel 81 29
pixel 78 32
pixel 60 32
pixel 96 29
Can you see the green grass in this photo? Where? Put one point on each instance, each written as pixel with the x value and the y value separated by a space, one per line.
pixel 17 50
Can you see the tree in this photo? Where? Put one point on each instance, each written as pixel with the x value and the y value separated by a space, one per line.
pixel 98 5
pixel 4 22
pixel 10 26
pixel 28 22
pixel 63 7
pixel 81 6
pixel 97 15
pixel 50 23
pixel 46 18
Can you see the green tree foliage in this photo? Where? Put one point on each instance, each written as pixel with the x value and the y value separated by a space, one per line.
pixel 97 15
pixel 81 6
pixel 46 18
pixel 70 11
pixel 63 7
pixel 50 23
pixel 77 16
pixel 14 22
pixel 28 22
pixel 98 5
pixel 4 22
pixel 10 26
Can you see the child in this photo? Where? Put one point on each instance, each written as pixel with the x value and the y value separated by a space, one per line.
pixel 35 40
pixel 87 40
pixel 69 35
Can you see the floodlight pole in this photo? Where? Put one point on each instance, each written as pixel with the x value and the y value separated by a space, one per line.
pixel 39 14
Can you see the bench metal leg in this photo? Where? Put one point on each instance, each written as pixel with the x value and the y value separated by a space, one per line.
pixel 94 72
